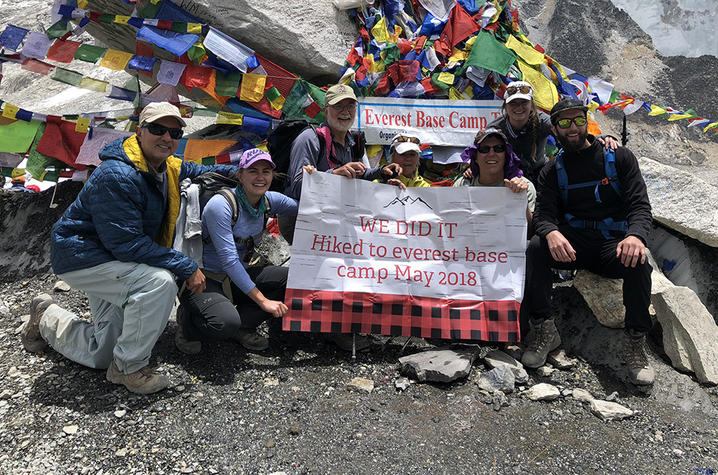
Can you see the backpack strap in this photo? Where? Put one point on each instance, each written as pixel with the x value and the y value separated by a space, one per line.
pixel 562 178
pixel 611 172
pixel 232 200
pixel 611 177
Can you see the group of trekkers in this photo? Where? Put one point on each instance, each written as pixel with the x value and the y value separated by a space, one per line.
pixel 587 208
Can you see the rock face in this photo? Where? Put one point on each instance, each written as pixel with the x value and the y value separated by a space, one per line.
pixel 603 296
pixel 688 322
pixel 309 39
pixel 441 366
pixel 681 201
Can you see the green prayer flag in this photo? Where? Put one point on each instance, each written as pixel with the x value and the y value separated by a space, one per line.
pixel 196 51
pixel 17 136
pixel 89 53
pixel 487 52
pixel 37 162
pixel 318 94
pixel 614 96
pixel 208 160
pixel 295 100
pixel 391 53
pixel 68 77
pixel 227 84
pixel 148 9
pixel 202 112
pixel 272 94
pixel 6 171
pixel 106 18
pixel 440 84
pixel 57 29
pixel 179 26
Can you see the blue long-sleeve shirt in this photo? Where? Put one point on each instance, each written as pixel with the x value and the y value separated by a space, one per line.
pixel 224 255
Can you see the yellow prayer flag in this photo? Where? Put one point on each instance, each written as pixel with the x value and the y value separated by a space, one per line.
pixel 679 117
pixel 16 172
pixel 458 55
pixel 545 93
pixel 82 4
pixel 155 2
pixel 455 95
pixel 116 60
pixel 93 84
pixel 122 19
pixel 446 77
pixel 712 125
pixel 10 110
pixel 470 43
pixel 263 147
pixel 379 31
pixel 229 118
pixel 656 110
pixel 278 103
pixel 395 37
pixel 252 89
pixel 82 124
pixel 195 28
pixel 525 52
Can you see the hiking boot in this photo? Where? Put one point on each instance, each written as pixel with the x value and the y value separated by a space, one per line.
pixel 542 339
pixel 251 340
pixel 186 346
pixel 640 372
pixel 143 381
pixel 344 341
pixel 30 334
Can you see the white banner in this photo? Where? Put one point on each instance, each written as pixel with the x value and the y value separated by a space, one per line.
pixel 437 122
pixel 450 243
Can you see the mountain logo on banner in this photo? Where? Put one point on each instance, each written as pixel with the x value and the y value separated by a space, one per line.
pixel 407 200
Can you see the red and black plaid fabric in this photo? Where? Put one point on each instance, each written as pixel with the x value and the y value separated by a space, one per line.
pixel 395 315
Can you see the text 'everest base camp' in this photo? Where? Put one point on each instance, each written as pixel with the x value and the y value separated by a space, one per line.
pixel 452 236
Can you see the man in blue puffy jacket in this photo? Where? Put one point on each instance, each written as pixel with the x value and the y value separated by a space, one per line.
pixel 115 243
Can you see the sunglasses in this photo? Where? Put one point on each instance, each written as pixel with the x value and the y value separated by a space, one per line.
pixel 401 138
pixel 159 130
pixel 511 90
pixel 487 148
pixel 566 123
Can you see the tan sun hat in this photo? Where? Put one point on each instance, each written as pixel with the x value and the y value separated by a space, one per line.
pixel 338 93
pixel 157 110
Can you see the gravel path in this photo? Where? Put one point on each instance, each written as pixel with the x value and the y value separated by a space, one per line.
pixel 291 410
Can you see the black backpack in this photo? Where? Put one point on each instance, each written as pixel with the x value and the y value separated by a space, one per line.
pixel 279 145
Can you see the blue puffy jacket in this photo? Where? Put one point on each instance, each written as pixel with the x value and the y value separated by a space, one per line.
pixel 118 216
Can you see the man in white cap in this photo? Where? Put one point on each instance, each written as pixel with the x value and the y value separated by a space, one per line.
pixel 114 242
pixel 330 148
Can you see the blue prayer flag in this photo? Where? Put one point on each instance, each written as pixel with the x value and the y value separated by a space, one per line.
pixel 175 43
pixel 12 37
pixel 142 63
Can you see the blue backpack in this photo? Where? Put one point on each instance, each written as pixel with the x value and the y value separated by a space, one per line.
pixel 611 179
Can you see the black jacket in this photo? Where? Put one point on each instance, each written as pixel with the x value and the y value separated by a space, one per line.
pixel 588 165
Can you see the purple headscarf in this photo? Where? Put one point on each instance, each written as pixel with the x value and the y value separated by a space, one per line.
pixel 511 164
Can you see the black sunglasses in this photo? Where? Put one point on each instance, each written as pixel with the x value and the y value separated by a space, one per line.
pixel 159 130
pixel 487 148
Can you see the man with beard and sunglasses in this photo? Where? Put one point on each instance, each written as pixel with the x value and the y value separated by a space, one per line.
pixel 114 242
pixel 593 213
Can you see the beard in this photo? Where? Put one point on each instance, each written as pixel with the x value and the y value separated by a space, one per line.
pixel 573 144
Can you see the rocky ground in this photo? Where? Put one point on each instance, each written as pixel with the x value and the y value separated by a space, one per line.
pixel 292 409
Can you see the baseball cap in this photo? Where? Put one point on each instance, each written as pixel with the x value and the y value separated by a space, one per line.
pixel 564 105
pixel 337 93
pixel 402 143
pixel 518 90
pixel 157 110
pixel 482 134
pixel 252 156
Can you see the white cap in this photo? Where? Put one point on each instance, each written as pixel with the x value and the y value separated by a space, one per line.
pixel 519 95
pixel 402 143
pixel 157 110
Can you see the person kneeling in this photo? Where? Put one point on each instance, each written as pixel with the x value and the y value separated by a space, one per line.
pixel 238 296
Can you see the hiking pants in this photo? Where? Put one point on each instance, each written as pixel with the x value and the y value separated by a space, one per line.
pixel 597 254
pixel 130 305
pixel 214 316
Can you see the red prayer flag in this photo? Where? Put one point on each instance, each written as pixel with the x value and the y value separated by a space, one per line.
pixel 419 43
pixel 280 78
pixel 37 66
pixel 142 49
pixel 429 88
pixel 95 16
pixel 312 109
pixel 383 87
pixel 61 141
pixel 360 74
pixel 354 57
pixel 63 51
pixel 164 24
pixel 196 76
pixel 404 46
pixel 460 26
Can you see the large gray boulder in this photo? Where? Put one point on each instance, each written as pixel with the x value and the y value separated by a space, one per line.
pixel 688 321
pixel 681 201
pixel 441 366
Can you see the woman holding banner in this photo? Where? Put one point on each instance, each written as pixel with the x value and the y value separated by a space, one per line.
pixel 238 296
pixel 405 151
pixel 494 163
